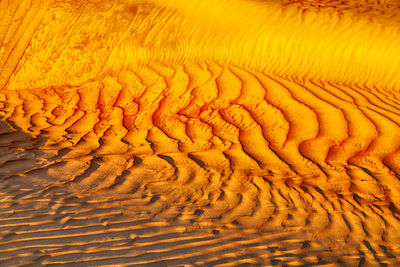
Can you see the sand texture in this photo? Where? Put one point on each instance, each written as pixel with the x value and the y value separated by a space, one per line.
pixel 199 133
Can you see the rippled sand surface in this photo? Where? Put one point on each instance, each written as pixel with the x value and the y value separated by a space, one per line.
pixel 199 133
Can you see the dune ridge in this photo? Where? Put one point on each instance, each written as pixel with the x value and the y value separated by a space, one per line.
pixel 142 132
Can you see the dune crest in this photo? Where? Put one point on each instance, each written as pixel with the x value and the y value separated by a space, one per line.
pixel 145 131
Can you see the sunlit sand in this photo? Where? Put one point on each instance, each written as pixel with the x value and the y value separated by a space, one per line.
pixel 199 133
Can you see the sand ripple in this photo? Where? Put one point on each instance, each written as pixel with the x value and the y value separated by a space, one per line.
pixel 126 142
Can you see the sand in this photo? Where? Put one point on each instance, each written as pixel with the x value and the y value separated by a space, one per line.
pixel 189 133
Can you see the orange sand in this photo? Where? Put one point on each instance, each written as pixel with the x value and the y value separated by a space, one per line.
pixel 199 133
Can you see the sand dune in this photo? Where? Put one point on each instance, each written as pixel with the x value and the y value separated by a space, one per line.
pixel 199 133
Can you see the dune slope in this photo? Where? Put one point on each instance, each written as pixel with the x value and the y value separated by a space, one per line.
pixel 199 132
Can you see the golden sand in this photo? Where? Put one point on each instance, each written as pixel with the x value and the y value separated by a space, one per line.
pixel 199 133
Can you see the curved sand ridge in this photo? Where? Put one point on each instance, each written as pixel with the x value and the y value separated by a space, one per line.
pixel 164 133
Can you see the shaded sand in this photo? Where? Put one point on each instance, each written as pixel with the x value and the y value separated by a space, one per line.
pixel 52 213
pixel 163 133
